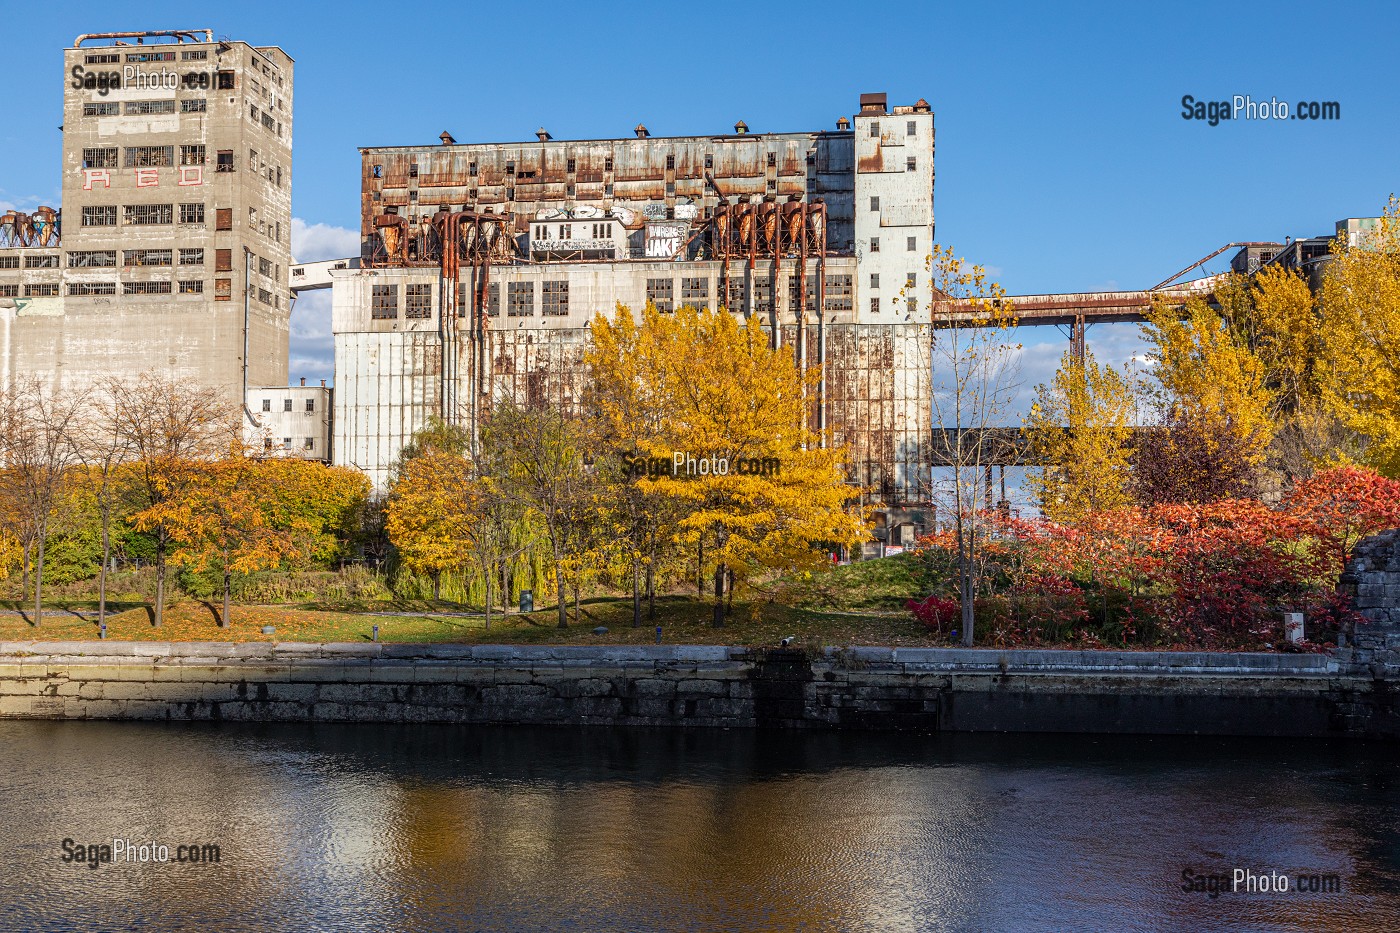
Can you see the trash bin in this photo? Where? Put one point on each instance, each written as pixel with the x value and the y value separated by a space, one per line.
pixel 527 600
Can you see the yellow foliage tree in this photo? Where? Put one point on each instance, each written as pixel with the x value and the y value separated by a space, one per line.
pixel 1079 428
pixel 1359 369
pixel 1208 378
pixel 430 514
pixel 215 521
pixel 725 419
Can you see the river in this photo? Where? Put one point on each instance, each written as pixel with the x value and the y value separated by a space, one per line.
pixel 388 828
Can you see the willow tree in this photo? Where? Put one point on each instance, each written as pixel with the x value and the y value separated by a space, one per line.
pixel 1079 427
pixel 719 422
pixel 975 369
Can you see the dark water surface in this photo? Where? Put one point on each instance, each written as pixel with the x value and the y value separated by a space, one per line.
pixel 387 828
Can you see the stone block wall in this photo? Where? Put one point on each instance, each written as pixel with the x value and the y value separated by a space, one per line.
pixel 1372 580
pixel 928 689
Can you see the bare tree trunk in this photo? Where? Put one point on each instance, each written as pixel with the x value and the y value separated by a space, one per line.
pixel 729 596
pixel 489 573
pixel 24 579
pixel 636 595
pixel 223 620
pixel 578 616
pixel 700 572
pixel 719 596
pixel 651 591
pixel 562 593
pixel 39 575
pixel 160 583
pixel 102 573
pixel 437 585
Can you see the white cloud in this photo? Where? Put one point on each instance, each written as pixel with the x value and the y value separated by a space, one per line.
pixel 312 351
pixel 314 242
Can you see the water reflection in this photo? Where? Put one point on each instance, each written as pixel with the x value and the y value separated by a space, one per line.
pixel 429 827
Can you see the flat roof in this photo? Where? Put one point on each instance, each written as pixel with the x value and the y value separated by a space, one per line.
pixel 720 137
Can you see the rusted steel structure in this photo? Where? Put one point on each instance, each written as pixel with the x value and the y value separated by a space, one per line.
pixel 41 230
pixel 482 264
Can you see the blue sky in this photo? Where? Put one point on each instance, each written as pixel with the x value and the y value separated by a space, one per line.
pixel 1063 162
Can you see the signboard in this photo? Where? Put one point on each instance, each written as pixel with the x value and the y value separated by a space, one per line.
pixel 664 239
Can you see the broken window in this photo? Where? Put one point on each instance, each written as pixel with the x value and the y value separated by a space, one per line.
pixel 661 294
pixel 146 257
pixel 150 156
pixel 520 299
pixel 143 108
pixel 192 213
pixel 90 289
pixel 556 299
pixel 105 157
pixel 145 288
pixel 695 292
pixel 147 214
pixel 100 216
pixel 191 155
pixel 192 286
pixel 225 161
pixel 192 257
pixel 384 302
pixel 88 259
pixel 419 304
pixel 838 293
pixel 101 109
pixel 194 105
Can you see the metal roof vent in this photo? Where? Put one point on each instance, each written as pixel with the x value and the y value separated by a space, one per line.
pixel 641 131
pixel 741 127
pixel 446 138
pixel 542 134
pixel 921 106
pixel 842 123
pixel 872 103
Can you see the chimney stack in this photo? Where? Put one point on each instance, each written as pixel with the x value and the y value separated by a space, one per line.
pixel 542 135
pixel 303 380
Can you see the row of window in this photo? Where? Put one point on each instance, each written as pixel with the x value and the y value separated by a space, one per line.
pixel 30 262
pixel 287 404
pixel 911 280
pixel 911 244
pixel 911 128
pixel 164 157
pixel 264 118
pixel 309 444
pixel 105 215
pixel 112 58
pixel 520 297
pixel 223 290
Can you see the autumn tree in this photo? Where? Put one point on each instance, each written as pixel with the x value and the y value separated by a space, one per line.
pixel 319 506
pixel 102 449
pixel 974 383
pixel 216 521
pixel 1079 427
pixel 432 508
pixel 1207 383
pixel 38 431
pixel 1359 368
pixel 169 429
pixel 696 387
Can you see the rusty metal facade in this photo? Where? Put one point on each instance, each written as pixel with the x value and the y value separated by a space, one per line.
pixel 764 225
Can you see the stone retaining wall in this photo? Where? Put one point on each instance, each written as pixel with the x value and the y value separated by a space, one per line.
pixel 870 688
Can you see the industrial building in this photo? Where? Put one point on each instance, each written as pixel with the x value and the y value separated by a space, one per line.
pixel 172 250
pixel 482 264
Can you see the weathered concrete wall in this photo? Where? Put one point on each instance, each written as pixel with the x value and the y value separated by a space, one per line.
pixel 871 688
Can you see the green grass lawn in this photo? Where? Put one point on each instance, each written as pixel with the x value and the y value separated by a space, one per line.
pixel 859 604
